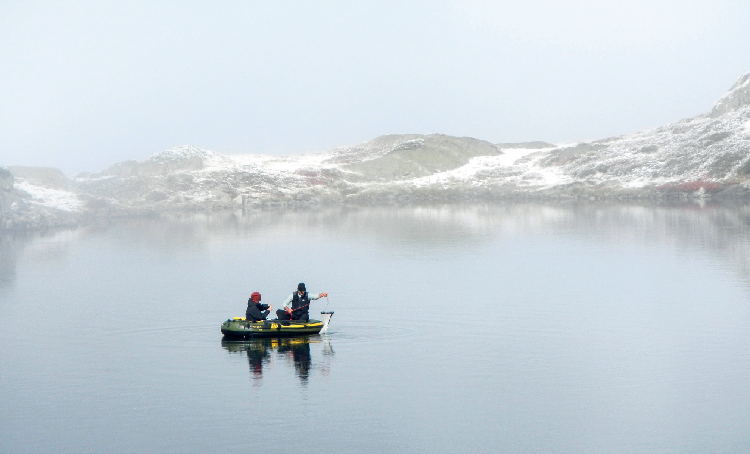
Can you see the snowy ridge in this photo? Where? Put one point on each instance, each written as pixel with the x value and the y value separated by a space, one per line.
pixel 374 149
pixel 701 157
pixel 182 153
pixel 738 96
pixel 697 157
pixel 700 148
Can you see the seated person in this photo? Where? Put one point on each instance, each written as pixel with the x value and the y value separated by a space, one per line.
pixel 296 305
pixel 256 312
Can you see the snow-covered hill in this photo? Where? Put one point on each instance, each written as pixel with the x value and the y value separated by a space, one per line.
pixel 701 157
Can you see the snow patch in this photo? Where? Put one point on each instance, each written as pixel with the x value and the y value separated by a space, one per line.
pixel 508 162
pixel 511 156
pixel 51 198
pixel 273 164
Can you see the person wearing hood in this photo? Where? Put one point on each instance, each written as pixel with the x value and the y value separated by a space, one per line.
pixel 256 312
pixel 297 305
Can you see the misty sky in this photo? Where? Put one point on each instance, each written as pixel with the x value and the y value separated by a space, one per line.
pixel 86 84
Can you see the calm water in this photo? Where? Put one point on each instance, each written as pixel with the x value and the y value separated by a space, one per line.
pixel 466 328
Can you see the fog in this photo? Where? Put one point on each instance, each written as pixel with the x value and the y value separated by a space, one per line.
pixel 85 84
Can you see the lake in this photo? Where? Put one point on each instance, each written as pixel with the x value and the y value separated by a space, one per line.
pixel 476 328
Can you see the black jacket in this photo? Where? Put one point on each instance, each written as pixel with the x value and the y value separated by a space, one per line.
pixel 256 311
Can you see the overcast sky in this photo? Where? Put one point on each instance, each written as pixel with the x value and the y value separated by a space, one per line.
pixel 86 84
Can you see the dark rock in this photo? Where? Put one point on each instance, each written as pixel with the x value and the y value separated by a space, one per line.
pixel 745 168
pixel 712 138
pixel 566 155
pixel 7 195
pixel 6 180
pixel 733 191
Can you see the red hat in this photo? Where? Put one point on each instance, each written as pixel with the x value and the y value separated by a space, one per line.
pixel 255 297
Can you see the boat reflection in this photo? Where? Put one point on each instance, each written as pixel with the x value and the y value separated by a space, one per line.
pixel 260 353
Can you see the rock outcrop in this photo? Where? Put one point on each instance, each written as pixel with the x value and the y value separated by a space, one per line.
pixel 178 159
pixel 41 176
pixel 413 156
pixel 6 192
pixel 737 98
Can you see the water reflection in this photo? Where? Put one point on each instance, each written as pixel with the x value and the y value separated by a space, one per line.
pixel 407 230
pixel 262 352
pixel 39 246
pixel 7 260
pixel 722 229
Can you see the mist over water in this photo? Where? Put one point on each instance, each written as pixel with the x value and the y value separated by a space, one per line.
pixel 515 328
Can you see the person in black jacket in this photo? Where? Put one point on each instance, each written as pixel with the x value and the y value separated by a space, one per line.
pixel 256 311
pixel 297 305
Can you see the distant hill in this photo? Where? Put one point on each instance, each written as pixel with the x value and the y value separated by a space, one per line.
pixel 703 157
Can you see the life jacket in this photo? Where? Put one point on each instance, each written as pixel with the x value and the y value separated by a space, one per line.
pixel 300 304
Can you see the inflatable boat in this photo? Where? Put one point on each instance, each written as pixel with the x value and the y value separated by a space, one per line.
pixel 238 327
